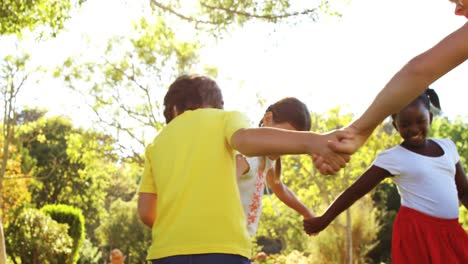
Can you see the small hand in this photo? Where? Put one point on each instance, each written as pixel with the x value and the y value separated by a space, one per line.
pixel 314 225
pixel 351 141
pixel 308 215
pixel 328 161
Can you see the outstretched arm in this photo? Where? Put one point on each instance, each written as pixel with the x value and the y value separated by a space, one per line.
pixel 286 195
pixel 266 141
pixel 373 176
pixel 462 184
pixel 406 85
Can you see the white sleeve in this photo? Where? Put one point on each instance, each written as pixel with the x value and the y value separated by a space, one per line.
pixel 452 148
pixel 388 160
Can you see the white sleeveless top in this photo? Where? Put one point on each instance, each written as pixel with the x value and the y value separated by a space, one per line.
pixel 251 188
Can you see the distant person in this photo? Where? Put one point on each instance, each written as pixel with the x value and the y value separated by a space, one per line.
pixel 406 85
pixel 256 174
pixel 188 192
pixel 116 257
pixel 431 182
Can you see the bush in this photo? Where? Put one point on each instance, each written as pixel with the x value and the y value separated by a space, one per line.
pixel 73 217
pixel 35 238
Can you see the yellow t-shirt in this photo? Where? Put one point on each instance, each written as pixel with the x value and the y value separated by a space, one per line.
pixel 191 167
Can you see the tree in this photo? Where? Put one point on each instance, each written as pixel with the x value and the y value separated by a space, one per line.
pixel 13 75
pixel 48 16
pixel 15 191
pixel 124 83
pixel 125 86
pixel 68 159
pixel 123 229
pixel 219 15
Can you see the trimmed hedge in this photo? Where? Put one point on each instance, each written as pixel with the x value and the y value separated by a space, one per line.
pixel 73 217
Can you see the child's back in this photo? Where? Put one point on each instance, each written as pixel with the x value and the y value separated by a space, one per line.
pixel 194 149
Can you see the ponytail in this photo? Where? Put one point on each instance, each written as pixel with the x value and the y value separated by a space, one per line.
pixel 433 98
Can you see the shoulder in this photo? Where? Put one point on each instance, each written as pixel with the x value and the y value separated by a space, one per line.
pixel 449 147
pixel 391 159
pixel 393 151
pixel 234 120
pixel 445 143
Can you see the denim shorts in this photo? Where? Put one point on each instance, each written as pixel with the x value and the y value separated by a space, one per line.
pixel 203 259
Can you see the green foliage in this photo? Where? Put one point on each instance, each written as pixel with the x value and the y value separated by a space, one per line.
pixel 14 192
pixel 71 166
pixel 456 131
pixel 387 201
pixel 294 257
pixel 73 217
pixel 48 15
pixel 121 87
pixel 330 245
pixel 89 253
pixel 35 238
pixel 122 229
pixel 126 85
pixel 318 192
pixel 217 16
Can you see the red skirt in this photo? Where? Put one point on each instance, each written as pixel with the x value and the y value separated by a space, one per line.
pixel 420 238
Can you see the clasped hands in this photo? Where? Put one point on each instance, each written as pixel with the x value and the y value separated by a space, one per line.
pixel 341 144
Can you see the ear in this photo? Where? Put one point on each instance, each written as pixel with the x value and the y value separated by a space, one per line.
pixel 174 111
pixel 268 119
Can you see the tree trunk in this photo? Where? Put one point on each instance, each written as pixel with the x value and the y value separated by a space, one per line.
pixel 349 238
pixel 2 244
pixel 6 144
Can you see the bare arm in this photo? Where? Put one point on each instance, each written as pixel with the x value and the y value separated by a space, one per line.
pixel 407 84
pixel 242 166
pixel 147 208
pixel 462 184
pixel 373 176
pixel 272 141
pixel 286 195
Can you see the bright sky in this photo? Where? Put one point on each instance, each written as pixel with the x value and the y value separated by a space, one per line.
pixel 334 61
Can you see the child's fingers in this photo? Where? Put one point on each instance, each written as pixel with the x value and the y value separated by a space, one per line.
pixel 336 162
pixel 344 146
pixel 320 165
pixel 344 135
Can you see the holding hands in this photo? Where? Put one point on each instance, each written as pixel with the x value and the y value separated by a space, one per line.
pixel 325 158
pixel 315 225
pixel 343 143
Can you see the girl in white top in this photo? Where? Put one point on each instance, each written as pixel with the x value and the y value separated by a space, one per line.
pixel 253 173
pixel 431 182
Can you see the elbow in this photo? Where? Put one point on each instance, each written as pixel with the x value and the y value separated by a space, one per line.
pixel 417 67
pixel 146 218
pixel 147 210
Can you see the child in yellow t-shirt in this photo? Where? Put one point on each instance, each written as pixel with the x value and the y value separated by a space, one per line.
pixel 188 193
